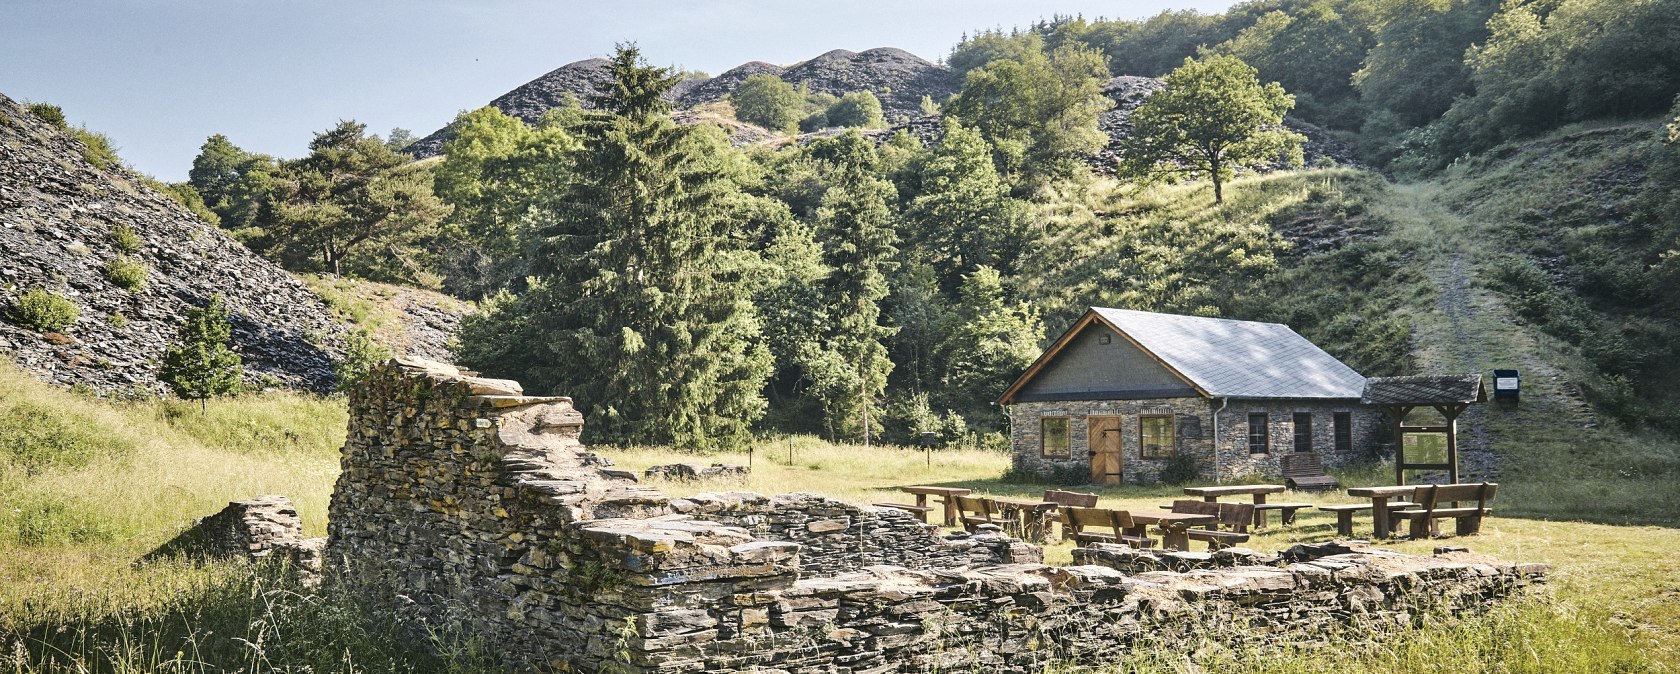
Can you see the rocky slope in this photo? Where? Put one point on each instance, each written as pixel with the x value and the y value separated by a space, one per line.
pixel 898 77
pixel 57 215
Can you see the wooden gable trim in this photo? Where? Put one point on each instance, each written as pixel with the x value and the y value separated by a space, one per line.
pixel 1091 316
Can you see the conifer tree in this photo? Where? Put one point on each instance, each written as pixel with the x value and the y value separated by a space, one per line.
pixel 641 312
pixel 964 217
pixel 856 222
pixel 200 364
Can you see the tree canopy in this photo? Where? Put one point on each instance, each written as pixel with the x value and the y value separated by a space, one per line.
pixel 1212 117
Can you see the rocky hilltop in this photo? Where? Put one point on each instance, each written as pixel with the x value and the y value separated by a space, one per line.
pixel 58 213
pixel 899 78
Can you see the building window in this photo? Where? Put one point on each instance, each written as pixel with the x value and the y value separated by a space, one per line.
pixel 1259 434
pixel 1155 436
pixel 1053 437
pixel 1303 431
pixel 1344 432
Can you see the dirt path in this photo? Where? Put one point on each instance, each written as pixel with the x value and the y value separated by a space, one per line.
pixel 1471 330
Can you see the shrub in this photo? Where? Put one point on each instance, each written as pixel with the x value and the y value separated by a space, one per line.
pixel 96 148
pixel 116 320
pixel 50 114
pixel 1180 469
pixel 859 108
pixel 125 239
pixel 43 311
pixel 361 354
pixel 127 273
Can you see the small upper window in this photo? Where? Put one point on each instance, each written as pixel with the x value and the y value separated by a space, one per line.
pixel 1155 435
pixel 1303 432
pixel 1259 434
pixel 1344 432
pixel 1104 338
pixel 1053 437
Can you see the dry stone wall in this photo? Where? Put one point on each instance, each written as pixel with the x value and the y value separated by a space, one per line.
pixel 468 506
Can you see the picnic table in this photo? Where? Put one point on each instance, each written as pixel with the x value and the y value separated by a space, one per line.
pixel 947 496
pixel 1175 527
pixel 1379 503
pixel 1029 519
pixel 1258 492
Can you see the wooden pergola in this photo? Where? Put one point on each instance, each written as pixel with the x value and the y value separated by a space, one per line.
pixel 1449 394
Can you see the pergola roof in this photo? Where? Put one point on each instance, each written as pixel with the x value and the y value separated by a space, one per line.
pixel 1425 389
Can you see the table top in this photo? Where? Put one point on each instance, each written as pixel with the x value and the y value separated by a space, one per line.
pixel 1235 489
pixel 1173 518
pixel 1397 490
pixel 1024 503
pixel 943 491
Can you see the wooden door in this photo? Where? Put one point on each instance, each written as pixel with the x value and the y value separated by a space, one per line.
pixel 1105 449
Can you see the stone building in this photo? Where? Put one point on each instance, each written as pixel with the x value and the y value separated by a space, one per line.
pixel 1124 394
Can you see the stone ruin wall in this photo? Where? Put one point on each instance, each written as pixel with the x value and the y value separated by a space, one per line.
pixel 466 506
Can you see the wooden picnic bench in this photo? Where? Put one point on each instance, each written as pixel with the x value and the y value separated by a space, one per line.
pixel 1345 513
pixel 1025 519
pixel 1067 498
pixel 1174 527
pixel 947 497
pixel 1085 525
pixel 1429 511
pixel 1304 471
pixel 917 510
pixel 973 511
pixel 1235 516
pixel 1380 509
pixel 1258 492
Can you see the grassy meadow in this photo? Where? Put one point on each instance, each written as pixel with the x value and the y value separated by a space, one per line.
pixel 117 479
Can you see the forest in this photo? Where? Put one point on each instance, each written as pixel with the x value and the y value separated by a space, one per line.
pixel 866 285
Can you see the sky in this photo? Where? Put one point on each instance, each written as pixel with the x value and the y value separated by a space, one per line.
pixel 160 76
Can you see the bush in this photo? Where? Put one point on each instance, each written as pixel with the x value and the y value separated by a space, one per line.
pixel 361 354
pixel 127 273
pixel 96 148
pixel 50 114
pixel 767 101
pixel 859 109
pixel 43 311
pixel 125 239
pixel 1181 469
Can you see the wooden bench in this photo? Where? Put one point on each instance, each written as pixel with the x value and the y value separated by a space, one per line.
pixel 973 511
pixel 1235 516
pixel 1084 525
pixel 1067 498
pixel 1304 471
pixel 919 511
pixel 1345 513
pixel 1287 510
pixel 1431 498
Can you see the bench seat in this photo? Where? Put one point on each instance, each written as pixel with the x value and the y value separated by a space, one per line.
pixel 1428 511
pixel 1344 514
pixel 1287 509
pixel 1217 540
pixel 919 511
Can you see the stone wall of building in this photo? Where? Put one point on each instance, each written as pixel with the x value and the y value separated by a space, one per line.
pixel 1194 435
pixel 1191 433
pixel 466 506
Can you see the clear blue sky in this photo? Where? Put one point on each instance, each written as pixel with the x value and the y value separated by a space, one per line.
pixel 159 76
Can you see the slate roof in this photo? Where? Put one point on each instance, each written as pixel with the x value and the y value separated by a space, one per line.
pixel 1424 389
pixel 1238 359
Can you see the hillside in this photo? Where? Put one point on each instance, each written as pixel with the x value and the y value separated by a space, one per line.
pixel 898 77
pixel 64 225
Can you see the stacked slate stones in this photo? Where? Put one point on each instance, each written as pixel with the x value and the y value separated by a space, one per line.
pixel 470 508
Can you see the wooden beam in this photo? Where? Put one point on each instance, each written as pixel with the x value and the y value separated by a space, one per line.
pixel 1008 396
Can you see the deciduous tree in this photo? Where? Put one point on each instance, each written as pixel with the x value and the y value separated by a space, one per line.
pixel 1213 117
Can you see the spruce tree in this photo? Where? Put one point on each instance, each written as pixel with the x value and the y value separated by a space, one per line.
pixel 856 223
pixel 199 364
pixel 964 217
pixel 640 309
